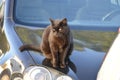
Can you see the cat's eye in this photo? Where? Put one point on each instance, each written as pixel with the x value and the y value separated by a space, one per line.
pixel 60 29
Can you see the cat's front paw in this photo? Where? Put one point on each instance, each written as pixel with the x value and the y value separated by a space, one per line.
pixel 54 64
pixel 62 66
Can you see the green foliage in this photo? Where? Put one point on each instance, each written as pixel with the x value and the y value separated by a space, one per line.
pixel 4 46
pixel 96 40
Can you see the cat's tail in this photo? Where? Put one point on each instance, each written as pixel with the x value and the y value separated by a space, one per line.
pixel 29 47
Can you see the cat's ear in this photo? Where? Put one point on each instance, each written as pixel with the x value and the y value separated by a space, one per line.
pixel 64 21
pixel 52 21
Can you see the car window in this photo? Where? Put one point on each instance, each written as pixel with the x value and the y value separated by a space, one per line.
pixel 40 11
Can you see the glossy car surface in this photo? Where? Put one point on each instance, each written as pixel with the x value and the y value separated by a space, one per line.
pixel 94 28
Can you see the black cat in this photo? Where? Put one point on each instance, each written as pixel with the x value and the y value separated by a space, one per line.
pixel 57 43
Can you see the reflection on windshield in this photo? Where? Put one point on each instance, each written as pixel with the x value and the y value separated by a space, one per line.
pixel 96 40
pixel 4 46
pixel 74 10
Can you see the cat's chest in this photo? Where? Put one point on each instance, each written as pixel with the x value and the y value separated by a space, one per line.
pixel 59 41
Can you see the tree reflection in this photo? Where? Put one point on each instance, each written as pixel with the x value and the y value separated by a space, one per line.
pixel 3 42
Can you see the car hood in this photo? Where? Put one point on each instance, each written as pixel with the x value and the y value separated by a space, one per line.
pixel 84 62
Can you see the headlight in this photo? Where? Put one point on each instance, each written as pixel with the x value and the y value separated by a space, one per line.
pixel 42 73
pixel 37 73
pixel 64 78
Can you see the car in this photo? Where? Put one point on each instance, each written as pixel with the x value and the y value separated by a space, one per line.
pixel 95 28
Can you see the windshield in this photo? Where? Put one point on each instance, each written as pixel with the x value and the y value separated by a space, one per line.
pixel 39 11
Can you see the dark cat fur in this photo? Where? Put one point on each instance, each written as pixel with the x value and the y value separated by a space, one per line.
pixel 57 43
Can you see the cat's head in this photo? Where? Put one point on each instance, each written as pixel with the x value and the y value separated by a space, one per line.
pixel 59 27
